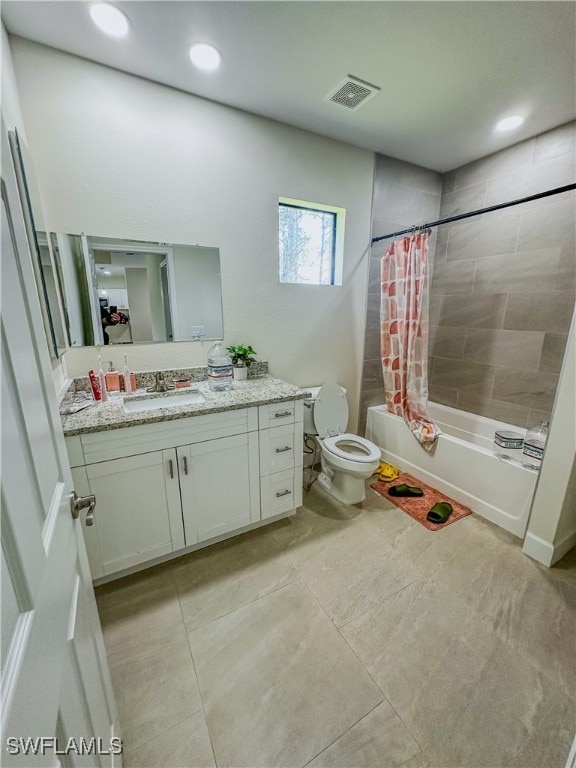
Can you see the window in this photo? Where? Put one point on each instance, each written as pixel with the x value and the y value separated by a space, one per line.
pixel 310 237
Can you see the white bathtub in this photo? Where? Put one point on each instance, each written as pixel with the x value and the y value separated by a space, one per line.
pixel 461 464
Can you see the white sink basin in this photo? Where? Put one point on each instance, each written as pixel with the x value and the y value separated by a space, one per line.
pixel 157 400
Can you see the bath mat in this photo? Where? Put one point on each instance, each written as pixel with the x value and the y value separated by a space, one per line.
pixel 418 507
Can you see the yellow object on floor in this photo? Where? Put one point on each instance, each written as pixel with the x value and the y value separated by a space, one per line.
pixel 387 472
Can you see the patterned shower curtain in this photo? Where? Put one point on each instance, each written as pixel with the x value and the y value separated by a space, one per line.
pixel 404 339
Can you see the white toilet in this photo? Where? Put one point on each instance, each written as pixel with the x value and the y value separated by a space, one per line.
pixel 347 460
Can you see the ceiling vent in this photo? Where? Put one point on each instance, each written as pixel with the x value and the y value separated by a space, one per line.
pixel 352 92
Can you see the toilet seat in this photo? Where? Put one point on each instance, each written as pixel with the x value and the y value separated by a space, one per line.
pixel 368 451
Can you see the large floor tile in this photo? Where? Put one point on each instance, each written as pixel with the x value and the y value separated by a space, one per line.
pixel 351 574
pixel 467 697
pixel 155 692
pixel 319 523
pixel 379 739
pixel 186 745
pixel 278 682
pixel 222 578
pixel 140 615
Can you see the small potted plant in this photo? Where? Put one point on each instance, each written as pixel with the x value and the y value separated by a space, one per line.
pixel 241 360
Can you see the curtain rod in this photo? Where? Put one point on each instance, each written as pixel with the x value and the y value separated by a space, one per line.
pixel 548 193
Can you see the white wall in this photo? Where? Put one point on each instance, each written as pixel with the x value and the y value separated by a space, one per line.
pixel 552 525
pixel 13 119
pixel 124 157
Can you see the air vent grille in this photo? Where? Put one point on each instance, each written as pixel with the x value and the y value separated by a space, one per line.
pixel 352 93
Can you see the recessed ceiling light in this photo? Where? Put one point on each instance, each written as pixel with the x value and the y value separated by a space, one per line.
pixel 110 19
pixel 509 123
pixel 205 56
pixel 107 272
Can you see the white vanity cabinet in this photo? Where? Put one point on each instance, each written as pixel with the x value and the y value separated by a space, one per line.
pixel 176 485
pixel 219 484
pixel 281 457
pixel 139 513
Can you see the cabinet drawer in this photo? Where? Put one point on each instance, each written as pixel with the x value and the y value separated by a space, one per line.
pixel 275 414
pixel 277 449
pixel 280 492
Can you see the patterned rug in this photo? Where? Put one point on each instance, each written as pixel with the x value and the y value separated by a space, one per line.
pixel 418 507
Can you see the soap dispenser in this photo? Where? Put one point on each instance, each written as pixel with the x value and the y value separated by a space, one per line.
pixel 112 379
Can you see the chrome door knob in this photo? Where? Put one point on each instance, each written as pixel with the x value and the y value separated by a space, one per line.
pixel 78 503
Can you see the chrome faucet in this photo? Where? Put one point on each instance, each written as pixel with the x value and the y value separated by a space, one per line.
pixel 160 383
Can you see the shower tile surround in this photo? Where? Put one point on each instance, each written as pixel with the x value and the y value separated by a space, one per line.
pixel 503 283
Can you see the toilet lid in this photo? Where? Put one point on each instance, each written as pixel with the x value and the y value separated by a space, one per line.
pixel 353 448
pixel 330 410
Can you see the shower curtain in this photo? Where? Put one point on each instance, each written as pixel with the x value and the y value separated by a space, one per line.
pixel 404 334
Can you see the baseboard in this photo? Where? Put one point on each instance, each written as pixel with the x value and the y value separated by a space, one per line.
pixel 564 546
pixel 545 552
pixel 538 549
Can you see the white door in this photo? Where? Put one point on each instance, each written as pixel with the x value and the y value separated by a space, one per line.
pixel 55 679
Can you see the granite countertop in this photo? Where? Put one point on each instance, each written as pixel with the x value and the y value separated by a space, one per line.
pixel 111 415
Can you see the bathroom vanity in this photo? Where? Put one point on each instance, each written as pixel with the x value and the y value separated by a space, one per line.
pixel 172 479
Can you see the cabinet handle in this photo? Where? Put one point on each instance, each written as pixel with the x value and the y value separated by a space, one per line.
pixel 171 468
pixel 282 415
pixel 284 493
pixel 282 450
pixel 185 462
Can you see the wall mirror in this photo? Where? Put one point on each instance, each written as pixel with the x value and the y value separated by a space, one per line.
pixel 48 278
pixel 120 291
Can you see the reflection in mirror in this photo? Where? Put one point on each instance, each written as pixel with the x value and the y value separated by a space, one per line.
pixel 135 292
pixel 44 267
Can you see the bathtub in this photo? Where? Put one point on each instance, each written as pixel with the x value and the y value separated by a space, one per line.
pixel 461 464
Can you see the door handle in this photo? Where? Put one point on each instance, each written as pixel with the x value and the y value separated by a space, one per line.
pixel 283 450
pixel 171 468
pixel 284 493
pixel 185 463
pixel 78 503
pixel 282 415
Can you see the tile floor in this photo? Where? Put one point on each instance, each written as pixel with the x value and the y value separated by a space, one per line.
pixel 350 637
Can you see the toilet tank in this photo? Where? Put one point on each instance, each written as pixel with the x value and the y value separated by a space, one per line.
pixel 309 426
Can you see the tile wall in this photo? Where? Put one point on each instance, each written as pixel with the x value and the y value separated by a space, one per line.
pixel 404 195
pixel 503 285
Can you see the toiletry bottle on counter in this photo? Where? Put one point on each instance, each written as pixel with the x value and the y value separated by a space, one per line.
pixel 95 388
pixel 102 381
pixel 219 368
pixel 112 379
pixel 534 444
pixel 129 378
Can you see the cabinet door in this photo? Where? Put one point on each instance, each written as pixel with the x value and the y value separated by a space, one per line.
pixel 138 513
pixel 220 486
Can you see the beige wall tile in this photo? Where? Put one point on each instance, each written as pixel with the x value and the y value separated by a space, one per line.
pixel 553 352
pixel 494 409
pixel 521 272
pixel 463 375
pixel 484 238
pixel 550 312
pixel 529 388
pixel 475 311
pixel 453 277
pixel 509 349
pixel 498 164
pixel 548 224
pixel 443 395
pixel 462 201
pixel 446 342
